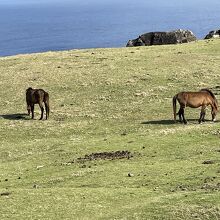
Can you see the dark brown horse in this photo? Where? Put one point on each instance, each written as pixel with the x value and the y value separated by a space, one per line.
pixel 37 96
pixel 202 98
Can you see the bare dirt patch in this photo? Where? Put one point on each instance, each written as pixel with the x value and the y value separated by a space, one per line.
pixel 211 187
pixel 113 155
pixel 5 194
pixel 208 162
pixel 106 156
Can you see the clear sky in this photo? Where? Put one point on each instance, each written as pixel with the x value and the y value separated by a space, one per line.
pixel 155 2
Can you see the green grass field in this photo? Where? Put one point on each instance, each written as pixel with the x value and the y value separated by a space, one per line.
pixel 108 100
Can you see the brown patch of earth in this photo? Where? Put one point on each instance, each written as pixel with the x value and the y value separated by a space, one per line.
pixel 211 187
pixel 107 156
pixel 208 162
pixel 5 194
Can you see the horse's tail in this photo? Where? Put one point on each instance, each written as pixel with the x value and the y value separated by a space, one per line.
pixel 47 105
pixel 174 107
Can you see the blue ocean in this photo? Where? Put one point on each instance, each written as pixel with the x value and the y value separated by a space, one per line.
pixel 28 26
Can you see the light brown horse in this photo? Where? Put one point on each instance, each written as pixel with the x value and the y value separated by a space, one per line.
pixel 202 98
pixel 37 96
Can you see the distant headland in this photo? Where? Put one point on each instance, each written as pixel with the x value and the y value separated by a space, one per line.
pixel 170 37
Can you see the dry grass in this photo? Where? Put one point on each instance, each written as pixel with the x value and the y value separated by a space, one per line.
pixel 107 100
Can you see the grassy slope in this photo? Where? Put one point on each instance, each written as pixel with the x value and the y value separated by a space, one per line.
pixel 109 100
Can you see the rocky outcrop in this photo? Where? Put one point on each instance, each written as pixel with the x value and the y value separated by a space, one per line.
pixel 213 34
pixel 160 38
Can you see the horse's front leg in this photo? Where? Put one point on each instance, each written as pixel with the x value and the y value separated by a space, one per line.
pixel 202 114
pixel 203 118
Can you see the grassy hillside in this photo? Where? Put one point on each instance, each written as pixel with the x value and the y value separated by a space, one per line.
pixel 109 100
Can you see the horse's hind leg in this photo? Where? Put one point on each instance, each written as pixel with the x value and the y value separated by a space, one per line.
pixel 42 110
pixel 180 115
pixel 29 109
pixel 183 116
pixel 32 111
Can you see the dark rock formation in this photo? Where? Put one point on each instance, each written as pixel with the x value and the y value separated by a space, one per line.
pixel 213 34
pixel 160 38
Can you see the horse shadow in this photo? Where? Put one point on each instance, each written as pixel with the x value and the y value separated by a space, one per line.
pixel 171 122
pixel 158 122
pixel 18 116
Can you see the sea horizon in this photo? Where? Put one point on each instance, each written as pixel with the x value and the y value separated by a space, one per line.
pixel 39 26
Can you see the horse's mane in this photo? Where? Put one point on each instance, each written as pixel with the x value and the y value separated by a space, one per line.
pixel 209 91
pixel 213 96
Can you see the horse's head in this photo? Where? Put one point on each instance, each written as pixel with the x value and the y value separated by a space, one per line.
pixel 214 103
pixel 214 110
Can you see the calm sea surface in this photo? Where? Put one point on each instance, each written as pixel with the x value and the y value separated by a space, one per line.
pixel 37 26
